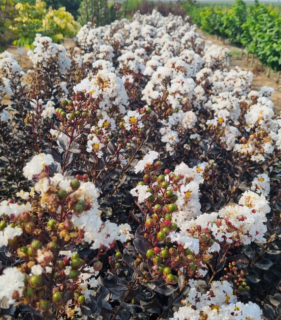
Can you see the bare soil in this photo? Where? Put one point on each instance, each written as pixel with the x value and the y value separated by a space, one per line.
pixel 240 59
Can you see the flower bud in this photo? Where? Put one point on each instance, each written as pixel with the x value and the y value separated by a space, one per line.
pixel 68 225
pixel 98 266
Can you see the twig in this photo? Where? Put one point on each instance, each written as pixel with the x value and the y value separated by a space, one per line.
pixel 127 166
pixel 215 271
pixel 106 167
pixel 270 163
pixel 234 188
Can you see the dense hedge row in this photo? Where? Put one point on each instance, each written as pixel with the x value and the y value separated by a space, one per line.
pixel 256 27
pixel 139 179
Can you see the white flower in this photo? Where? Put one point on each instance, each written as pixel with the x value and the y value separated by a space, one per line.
pixel 54 132
pixel 14 208
pixel 148 159
pixel 37 270
pixel 95 145
pixel 106 87
pixel 201 306
pixel 133 118
pixel 261 184
pixel 140 192
pixel 37 165
pixel 124 230
pixel 9 233
pixel 11 280
pixel 45 51
pixel 66 253
pixel 189 120
pixel 48 112
pixel 214 248
pixel 187 242
pixel 23 195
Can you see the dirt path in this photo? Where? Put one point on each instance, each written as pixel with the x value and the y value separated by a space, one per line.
pixel 260 78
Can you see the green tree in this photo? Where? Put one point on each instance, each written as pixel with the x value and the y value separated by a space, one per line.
pixel 7 14
pixel 233 21
pixel 30 2
pixel 96 11
pixel 71 6
pixel 38 19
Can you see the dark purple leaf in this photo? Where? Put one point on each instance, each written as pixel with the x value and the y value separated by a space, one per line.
pixel 141 245
pixel 166 290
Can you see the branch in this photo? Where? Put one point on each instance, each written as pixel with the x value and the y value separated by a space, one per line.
pixel 215 271
pixel 133 157
pixel 234 188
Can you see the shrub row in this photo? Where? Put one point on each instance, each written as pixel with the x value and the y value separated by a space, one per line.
pixel 256 27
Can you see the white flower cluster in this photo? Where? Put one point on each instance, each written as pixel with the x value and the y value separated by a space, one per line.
pixel 235 224
pixel 47 53
pixel 261 184
pixel 262 126
pixel 188 195
pixel 140 192
pixel 176 72
pixel 87 280
pixel 48 109
pixel 12 280
pixel 108 90
pixel 178 121
pixel 9 70
pixel 148 159
pixel 13 208
pixel 4 115
pixel 106 126
pixel 37 165
pixel 219 303
pixel 5 89
pixel 9 233
pixel 95 230
pixel 9 65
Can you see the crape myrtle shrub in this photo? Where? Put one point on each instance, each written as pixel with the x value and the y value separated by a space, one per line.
pixel 139 180
pixel 146 7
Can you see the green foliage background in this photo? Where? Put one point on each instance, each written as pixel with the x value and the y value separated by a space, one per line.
pixel 256 27
pixel 28 20
pixel 71 6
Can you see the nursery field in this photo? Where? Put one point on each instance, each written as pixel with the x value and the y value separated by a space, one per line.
pixel 139 176
pixel 238 57
pixel 255 28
